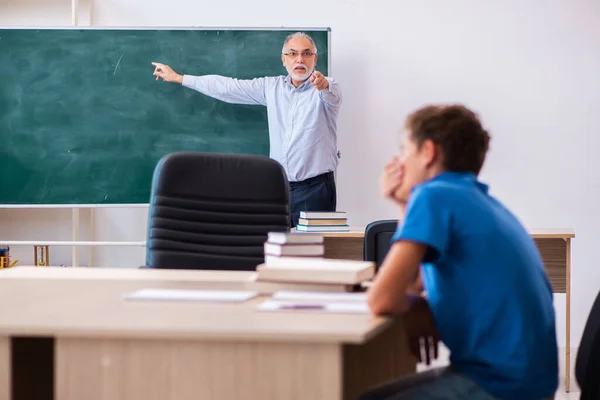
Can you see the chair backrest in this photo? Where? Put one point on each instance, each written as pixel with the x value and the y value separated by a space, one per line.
pixel 587 365
pixel 214 211
pixel 378 235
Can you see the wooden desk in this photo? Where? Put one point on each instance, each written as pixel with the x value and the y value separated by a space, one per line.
pixel 131 279
pixel 554 246
pixel 94 345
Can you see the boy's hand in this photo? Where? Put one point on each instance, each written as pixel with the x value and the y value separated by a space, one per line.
pixel 421 331
pixel 391 179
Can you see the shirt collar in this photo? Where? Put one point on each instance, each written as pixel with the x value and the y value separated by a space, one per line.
pixel 288 80
pixel 461 177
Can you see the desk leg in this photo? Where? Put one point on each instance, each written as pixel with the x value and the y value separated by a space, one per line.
pixel 5 387
pixel 568 320
pixel 382 359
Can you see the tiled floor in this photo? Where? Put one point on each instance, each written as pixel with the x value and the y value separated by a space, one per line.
pixel 560 393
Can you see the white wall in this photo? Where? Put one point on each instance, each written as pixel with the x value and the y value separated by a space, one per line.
pixel 531 69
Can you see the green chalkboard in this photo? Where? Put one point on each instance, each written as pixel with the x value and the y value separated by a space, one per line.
pixel 83 120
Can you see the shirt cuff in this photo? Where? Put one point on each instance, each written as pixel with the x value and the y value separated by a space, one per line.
pixel 328 88
pixel 188 81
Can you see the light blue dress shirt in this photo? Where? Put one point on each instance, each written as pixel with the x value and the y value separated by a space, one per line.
pixel 302 121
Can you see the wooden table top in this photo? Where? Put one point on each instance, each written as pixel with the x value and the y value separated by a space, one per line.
pixel 550 233
pixel 96 308
pixel 135 278
pixel 137 274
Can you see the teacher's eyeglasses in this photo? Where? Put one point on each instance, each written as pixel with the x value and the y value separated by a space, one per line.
pixel 304 54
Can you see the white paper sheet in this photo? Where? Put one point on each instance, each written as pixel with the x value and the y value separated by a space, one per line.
pixel 319 296
pixel 219 296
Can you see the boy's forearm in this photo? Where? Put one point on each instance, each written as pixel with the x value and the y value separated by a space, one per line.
pixel 388 294
pixel 416 288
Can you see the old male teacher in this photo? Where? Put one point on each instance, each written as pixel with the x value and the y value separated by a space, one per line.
pixel 302 110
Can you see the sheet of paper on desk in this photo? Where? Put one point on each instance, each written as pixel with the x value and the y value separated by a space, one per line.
pixel 319 296
pixel 339 307
pixel 227 296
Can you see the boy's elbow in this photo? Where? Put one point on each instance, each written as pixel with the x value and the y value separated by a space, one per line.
pixel 376 307
pixel 384 305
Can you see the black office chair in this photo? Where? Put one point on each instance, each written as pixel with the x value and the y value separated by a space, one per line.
pixel 587 365
pixel 214 211
pixel 378 236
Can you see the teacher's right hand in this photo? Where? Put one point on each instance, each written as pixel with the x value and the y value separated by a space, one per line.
pixel 166 73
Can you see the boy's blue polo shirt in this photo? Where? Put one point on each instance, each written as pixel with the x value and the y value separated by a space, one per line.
pixel 486 286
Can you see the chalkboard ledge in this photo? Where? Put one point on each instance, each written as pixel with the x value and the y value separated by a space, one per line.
pixel 70 206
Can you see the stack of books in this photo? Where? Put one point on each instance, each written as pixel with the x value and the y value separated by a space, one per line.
pixel 290 244
pixel 322 221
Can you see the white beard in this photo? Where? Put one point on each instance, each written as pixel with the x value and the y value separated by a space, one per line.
pixel 299 77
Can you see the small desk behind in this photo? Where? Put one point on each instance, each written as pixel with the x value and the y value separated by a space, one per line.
pixel 554 246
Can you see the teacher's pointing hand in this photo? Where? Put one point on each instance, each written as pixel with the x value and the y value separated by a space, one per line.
pixel 166 73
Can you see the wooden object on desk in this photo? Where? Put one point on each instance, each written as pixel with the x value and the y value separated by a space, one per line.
pixel 316 270
pixel 167 350
pixel 554 246
pixel 41 255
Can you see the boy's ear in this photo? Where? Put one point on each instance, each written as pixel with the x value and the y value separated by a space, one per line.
pixel 430 152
